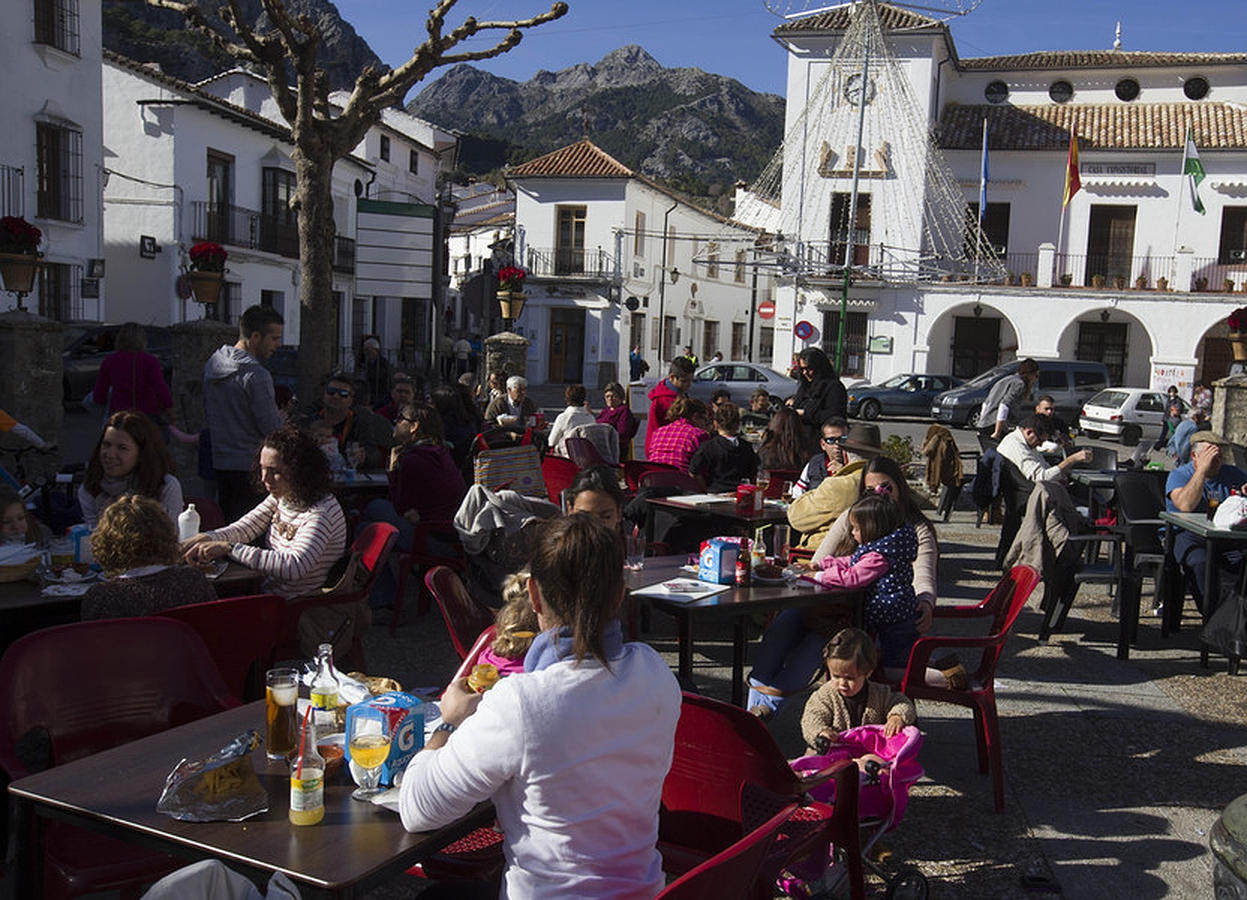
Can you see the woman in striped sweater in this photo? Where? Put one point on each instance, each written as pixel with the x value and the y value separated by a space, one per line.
pixel 305 526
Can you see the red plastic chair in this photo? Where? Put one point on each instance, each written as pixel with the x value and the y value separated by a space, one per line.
pixel 1003 605
pixel 90 686
pixel 775 487
pixel 465 616
pixel 718 749
pixel 242 654
pixel 210 514
pixel 483 640
pixel 635 468
pixel 373 544
pixel 674 478
pixel 419 556
pixel 732 872
pixel 559 474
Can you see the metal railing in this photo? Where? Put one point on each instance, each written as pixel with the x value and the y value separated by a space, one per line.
pixel 1210 274
pixel 1111 271
pixel 225 224
pixel 12 191
pixel 570 261
pixel 343 254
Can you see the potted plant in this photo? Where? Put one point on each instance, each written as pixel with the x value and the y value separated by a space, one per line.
pixel 1201 283
pixel 1228 284
pixel 1027 279
pixel 1119 282
pixel 1097 280
pixel 511 291
pixel 1140 283
pixel 19 254
pixel 1237 323
pixel 207 271
pixel 1067 279
pixel 1162 283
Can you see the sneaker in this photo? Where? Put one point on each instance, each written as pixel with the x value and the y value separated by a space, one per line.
pixel 954 672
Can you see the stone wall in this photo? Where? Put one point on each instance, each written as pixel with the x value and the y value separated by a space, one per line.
pixel 1229 409
pixel 506 352
pixel 31 382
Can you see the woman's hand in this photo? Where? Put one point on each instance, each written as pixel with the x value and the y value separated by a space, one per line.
pixel 190 542
pixel 459 702
pixel 206 551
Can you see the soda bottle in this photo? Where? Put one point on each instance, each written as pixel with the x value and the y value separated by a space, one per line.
pixel 324 691
pixel 307 779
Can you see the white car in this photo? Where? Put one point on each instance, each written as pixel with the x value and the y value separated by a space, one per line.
pixel 1125 413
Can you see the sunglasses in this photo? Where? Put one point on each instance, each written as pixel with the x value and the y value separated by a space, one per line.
pixel 338 392
pixel 838 439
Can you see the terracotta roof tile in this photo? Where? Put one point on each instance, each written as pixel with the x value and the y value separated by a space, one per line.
pixel 1101 59
pixel 583 159
pixel 1109 126
pixel 890 17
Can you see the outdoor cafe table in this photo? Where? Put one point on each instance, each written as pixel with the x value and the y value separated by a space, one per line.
pixel 738 603
pixel 1215 539
pixel 1093 480
pixel 355 848
pixel 718 507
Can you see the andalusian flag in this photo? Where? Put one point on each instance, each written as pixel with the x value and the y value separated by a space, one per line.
pixel 1193 169
pixel 1073 183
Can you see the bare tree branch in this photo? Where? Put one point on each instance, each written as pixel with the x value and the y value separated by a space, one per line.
pixel 196 19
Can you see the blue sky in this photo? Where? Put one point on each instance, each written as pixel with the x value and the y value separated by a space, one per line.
pixel 732 37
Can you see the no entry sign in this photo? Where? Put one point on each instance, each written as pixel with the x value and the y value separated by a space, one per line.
pixel 766 310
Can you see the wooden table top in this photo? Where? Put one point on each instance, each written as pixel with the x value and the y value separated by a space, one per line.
pixel 771 512
pixel 357 845
pixel 736 600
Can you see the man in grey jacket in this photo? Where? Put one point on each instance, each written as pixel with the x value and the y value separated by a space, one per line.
pixel 238 401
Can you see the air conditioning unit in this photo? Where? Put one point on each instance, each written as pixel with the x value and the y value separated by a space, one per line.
pixel 1238 255
pixel 998 249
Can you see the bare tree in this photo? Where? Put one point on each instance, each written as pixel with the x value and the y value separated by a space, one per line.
pixel 322 135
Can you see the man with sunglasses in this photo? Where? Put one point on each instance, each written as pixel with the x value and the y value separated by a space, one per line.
pixel 847 449
pixel 354 424
pixel 829 460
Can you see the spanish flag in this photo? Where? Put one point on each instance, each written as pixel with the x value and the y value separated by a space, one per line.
pixel 1073 183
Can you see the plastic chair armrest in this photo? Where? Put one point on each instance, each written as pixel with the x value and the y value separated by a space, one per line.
pixel 814 779
pixel 924 648
pixel 977 611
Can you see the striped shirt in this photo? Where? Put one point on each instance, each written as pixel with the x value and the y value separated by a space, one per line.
pixel 303 544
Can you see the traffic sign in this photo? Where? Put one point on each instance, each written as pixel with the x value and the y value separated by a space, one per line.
pixel 766 309
pixel 803 330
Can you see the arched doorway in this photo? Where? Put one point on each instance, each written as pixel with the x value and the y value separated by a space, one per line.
pixel 1117 339
pixel 967 340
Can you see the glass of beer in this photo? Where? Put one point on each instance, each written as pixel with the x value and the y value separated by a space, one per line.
pixel 369 742
pixel 763 481
pixel 281 696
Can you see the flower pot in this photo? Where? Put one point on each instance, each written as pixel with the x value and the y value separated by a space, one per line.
pixel 1238 345
pixel 511 303
pixel 1162 284
pixel 1067 279
pixel 1097 281
pixel 1119 282
pixel 1027 279
pixel 205 286
pixel 18 271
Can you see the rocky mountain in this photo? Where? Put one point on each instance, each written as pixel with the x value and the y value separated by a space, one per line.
pixel 148 34
pixel 692 130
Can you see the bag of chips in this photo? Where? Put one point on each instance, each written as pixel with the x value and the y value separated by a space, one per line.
pixel 221 788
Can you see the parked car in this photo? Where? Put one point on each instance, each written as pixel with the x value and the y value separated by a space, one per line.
pixel 87 343
pixel 901 395
pixel 1124 413
pixel 741 379
pixel 1070 382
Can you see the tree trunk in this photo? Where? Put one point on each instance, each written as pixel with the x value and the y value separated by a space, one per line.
pixel 314 196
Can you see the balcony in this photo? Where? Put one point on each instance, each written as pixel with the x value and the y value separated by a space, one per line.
pixel 343 254
pixel 570 262
pixel 231 225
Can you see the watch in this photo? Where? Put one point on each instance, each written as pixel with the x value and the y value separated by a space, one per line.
pixel 446 727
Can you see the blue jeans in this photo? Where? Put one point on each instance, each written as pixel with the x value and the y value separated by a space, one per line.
pixel 787 658
pixel 895 641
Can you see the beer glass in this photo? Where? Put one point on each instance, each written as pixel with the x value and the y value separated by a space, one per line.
pixel 369 742
pixel 281 696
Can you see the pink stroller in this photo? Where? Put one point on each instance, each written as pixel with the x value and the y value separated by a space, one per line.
pixel 889 767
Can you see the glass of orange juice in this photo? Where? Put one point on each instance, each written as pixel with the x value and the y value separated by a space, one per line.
pixel 369 743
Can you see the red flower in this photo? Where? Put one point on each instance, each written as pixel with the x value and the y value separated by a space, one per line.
pixel 1237 320
pixel 511 278
pixel 208 257
pixel 19 236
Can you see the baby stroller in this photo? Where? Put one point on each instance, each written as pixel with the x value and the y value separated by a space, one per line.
pixel 889 768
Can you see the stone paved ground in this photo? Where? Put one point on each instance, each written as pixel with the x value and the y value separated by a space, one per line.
pixel 1115 771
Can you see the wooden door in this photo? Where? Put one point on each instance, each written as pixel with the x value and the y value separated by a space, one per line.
pixel 567 346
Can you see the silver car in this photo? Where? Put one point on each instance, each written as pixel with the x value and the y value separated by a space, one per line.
pixel 741 379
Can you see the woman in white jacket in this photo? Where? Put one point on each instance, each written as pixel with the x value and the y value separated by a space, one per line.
pixel 574 750
pixel 575 414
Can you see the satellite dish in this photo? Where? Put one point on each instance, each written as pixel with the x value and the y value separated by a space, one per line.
pixel 941 10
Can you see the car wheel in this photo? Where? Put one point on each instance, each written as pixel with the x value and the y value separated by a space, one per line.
pixel 870 410
pixel 1131 435
pixel 972 419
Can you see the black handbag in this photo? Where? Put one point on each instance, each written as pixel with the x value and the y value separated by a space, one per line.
pixel 1226 628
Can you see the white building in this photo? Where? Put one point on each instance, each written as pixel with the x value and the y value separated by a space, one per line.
pixel 1132 223
pixel 186 165
pixel 50 149
pixel 616 260
pixel 480 237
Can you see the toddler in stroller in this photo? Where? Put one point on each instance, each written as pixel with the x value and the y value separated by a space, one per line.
pixel 852 718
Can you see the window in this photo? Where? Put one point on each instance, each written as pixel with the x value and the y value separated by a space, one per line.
pixel 995 227
pixel 228 307
pixel 739 350
pixel 854 341
pixel 709 337
pixel 712 260
pixel 220 177
pixel 1127 89
pixel 766 343
pixel 1195 88
pixel 1233 235
pixel 413 162
pixel 1089 381
pixel 996 92
pixel 739 275
pixel 839 236
pixel 279 229
pixel 1105 342
pixel 670 334
pixel 385 148
pixel 59 154
pixel 56 24
pixel 638 235
pixel 1149 403
pixel 1061 92
pixel 569 251
pixel 59 286
pixel 636 330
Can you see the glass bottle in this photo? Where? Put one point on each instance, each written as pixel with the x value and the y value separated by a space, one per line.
pixel 324 691
pixel 307 780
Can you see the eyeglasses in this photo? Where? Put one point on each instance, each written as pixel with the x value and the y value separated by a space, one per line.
pixel 835 439
pixel 338 392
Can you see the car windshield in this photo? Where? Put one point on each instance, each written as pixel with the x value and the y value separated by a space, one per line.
pixel 895 381
pixel 1109 399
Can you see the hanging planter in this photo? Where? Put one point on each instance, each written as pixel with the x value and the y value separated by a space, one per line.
pixel 205 286
pixel 18 271
pixel 511 303
pixel 207 271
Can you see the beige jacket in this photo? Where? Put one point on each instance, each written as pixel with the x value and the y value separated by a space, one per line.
pixel 825 710
pixel 813 512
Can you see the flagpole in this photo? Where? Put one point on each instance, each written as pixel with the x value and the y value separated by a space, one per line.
pixel 1177 219
pixel 978 246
